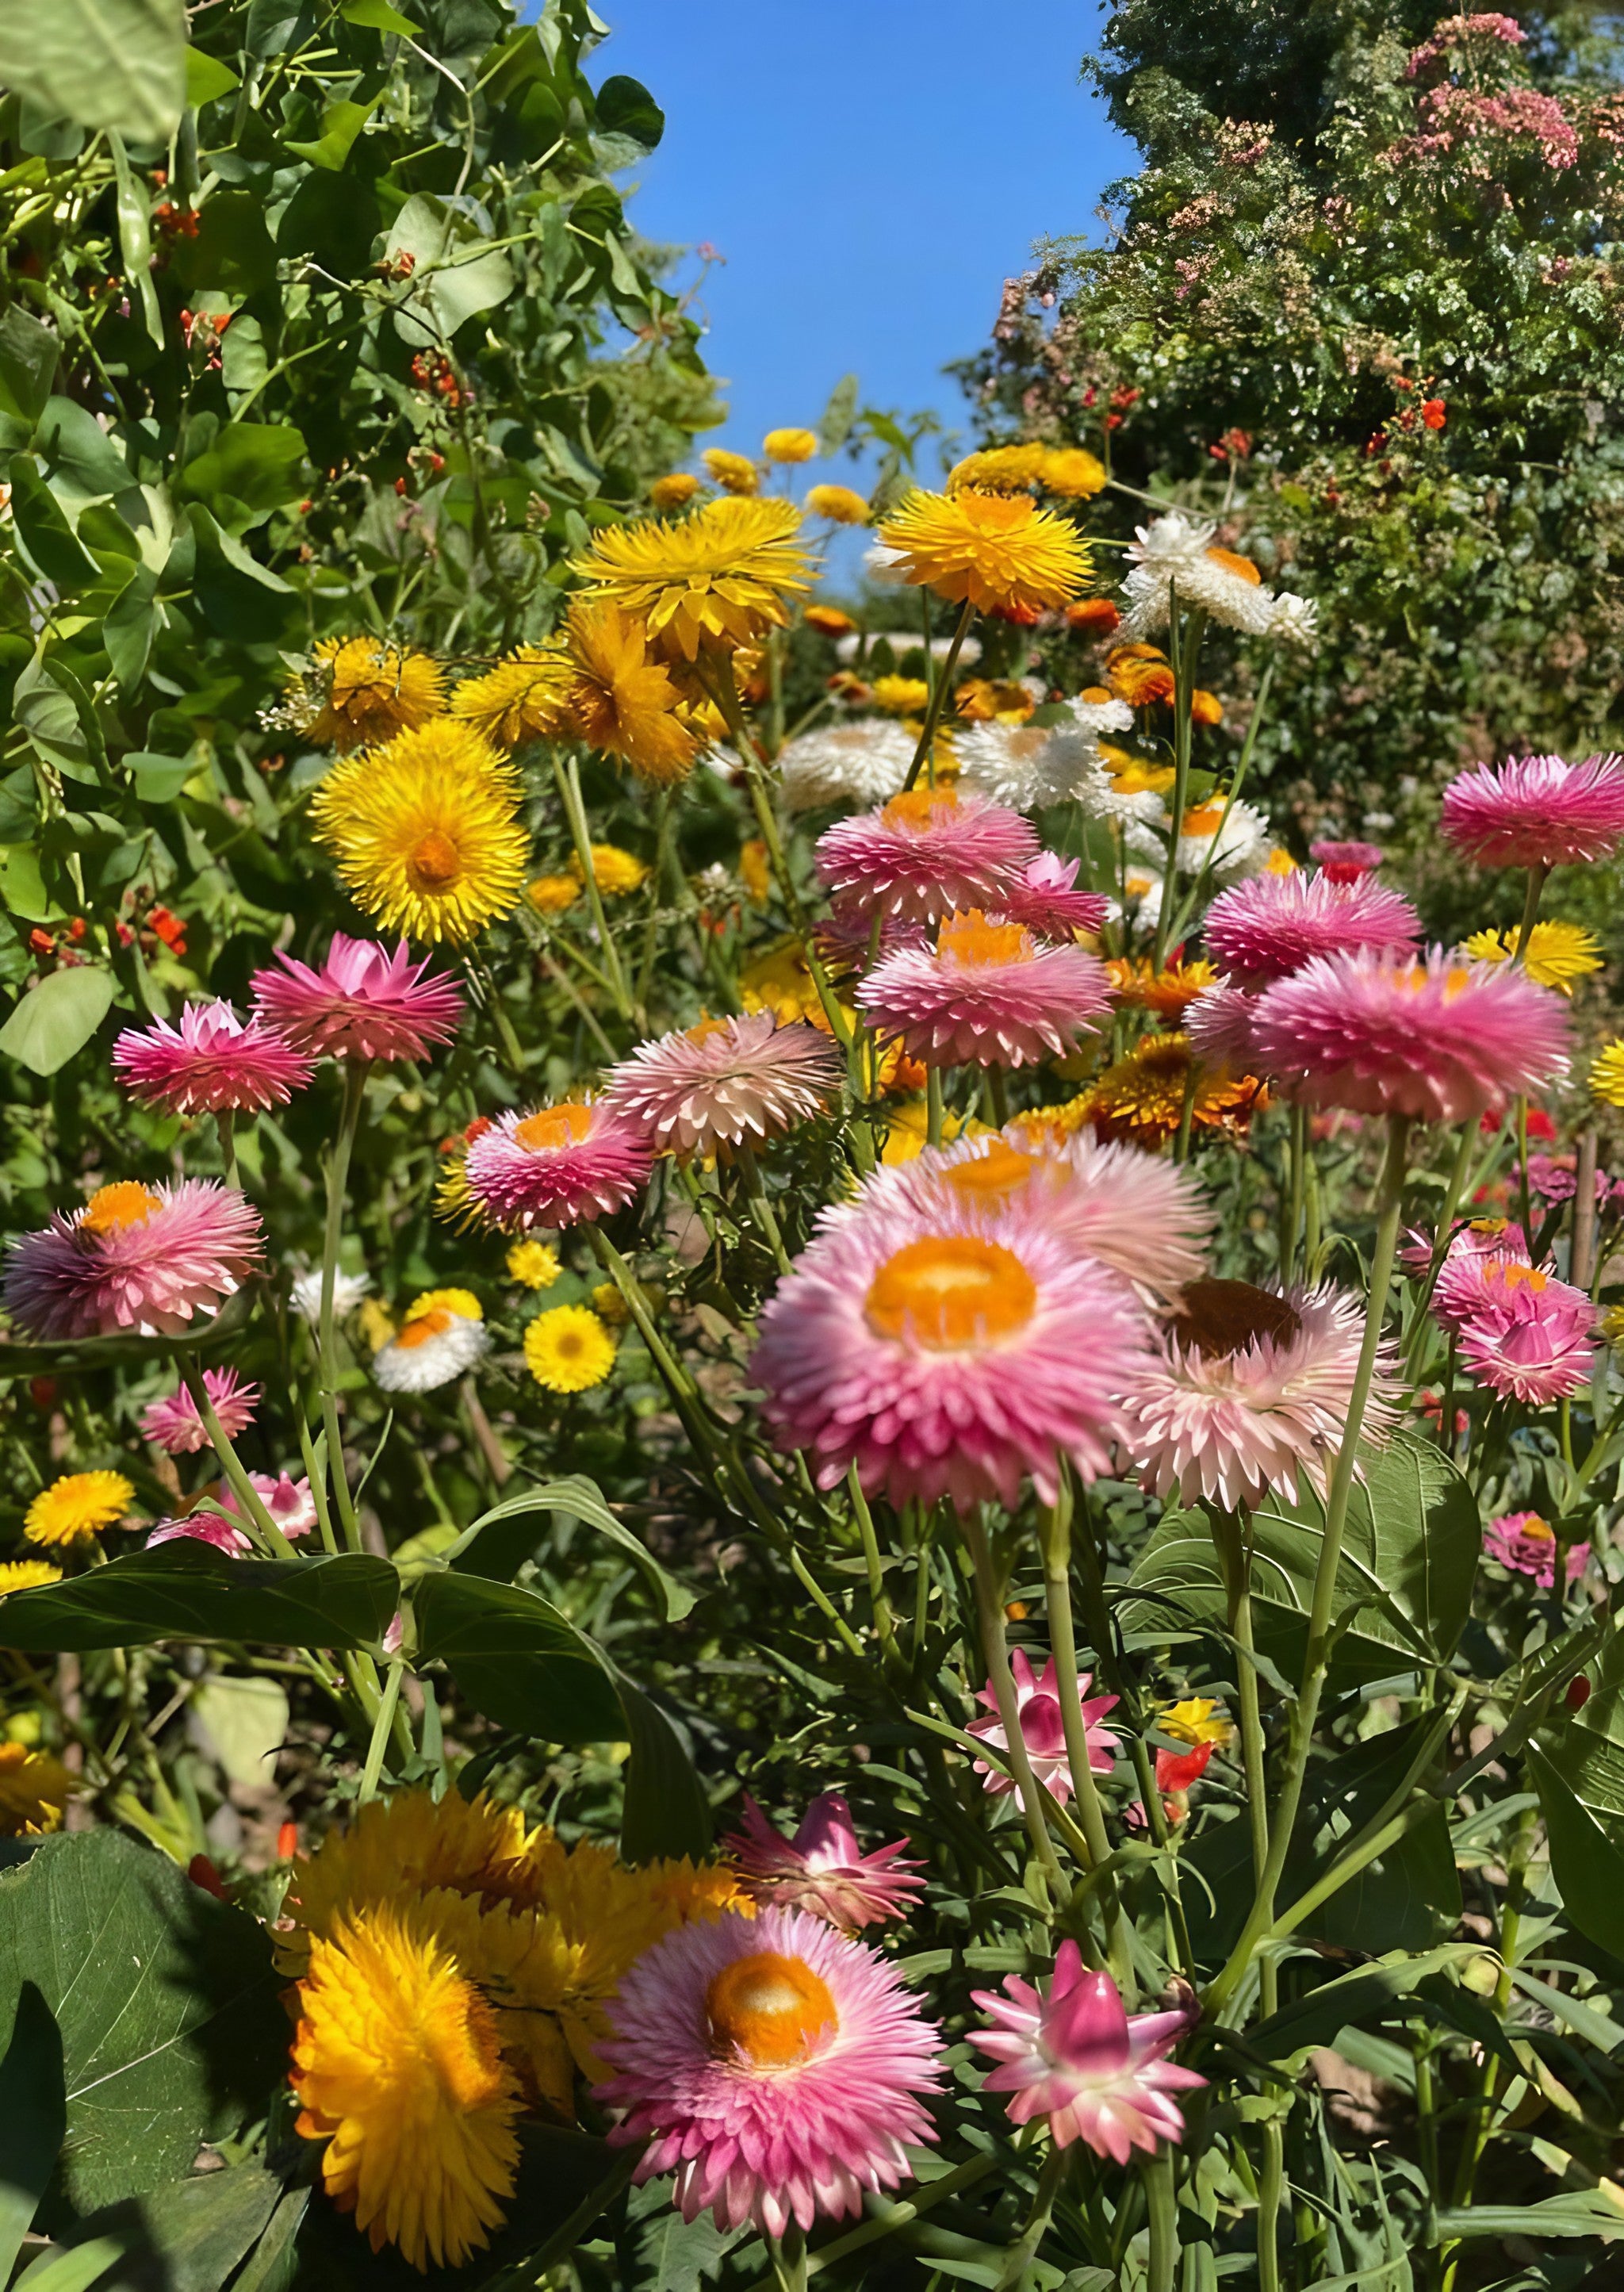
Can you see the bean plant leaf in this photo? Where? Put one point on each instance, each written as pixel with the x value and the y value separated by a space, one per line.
pixel 57 1018
pixel 187 2236
pixel 105 63
pixel 1581 1795
pixel 518 1659
pixel 498 1541
pixel 191 1591
pixel 665 1811
pixel 33 2117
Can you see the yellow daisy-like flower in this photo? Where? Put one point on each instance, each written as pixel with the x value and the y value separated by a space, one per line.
pixel 610 1306
pixel 397 2067
pixel 568 1350
pixel 828 620
pixel 789 445
pixel 1135 775
pixel 34 1790
pixel 997 469
pixel 994 700
pixel 1607 1075
pixel 840 505
pixel 1142 1097
pixel 614 871
pixel 1196 1720
pixel 1168 992
pixel 1073 472
pixel 715 579
pixel 369 691
pixel 463 1302
pixel 780 982
pixel 26 1575
pixel 900 696
pixel 533 1265
pixel 674 491
pixel 375 1323
pixel 408 1844
pixel 735 474
pixel 550 895
pixel 624 701
pixel 1279 862
pixel 76 1507
pixel 908 1133
pixel 522 698
pixel 1558 954
pixel 999 552
pixel 426 832
pixel 1612 1326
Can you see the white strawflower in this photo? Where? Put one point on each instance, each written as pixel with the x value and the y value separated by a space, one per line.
pixel 1295 619
pixel 348 1290
pixel 1227 845
pixel 1176 551
pixel 1027 766
pixel 862 763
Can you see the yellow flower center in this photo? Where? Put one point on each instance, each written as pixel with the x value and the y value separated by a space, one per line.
pixel 1002 1171
pixel 553 1127
pixel 972 942
pixel 950 1291
pixel 1516 1277
pixel 1489 1225
pixel 1206 819
pixel 435 864
pixel 915 809
pixel 1232 561
pixel 1221 1318
pixel 769 2008
pixel 422 1327
pixel 111 1208
pixel 1539 1530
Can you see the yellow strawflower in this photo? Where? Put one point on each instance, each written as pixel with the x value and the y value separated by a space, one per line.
pixel 840 505
pixel 533 1265
pixel 550 895
pixel 426 832
pixel 756 871
pixel 789 445
pixel 1196 1720
pixel 1279 861
pixel 1142 1097
pixel 522 698
pixel 34 1790
pixel 900 696
pixel 997 469
pixel 623 700
pixel 376 1324
pixel 76 1507
pixel 614 871
pixel 997 552
pixel 1558 954
pixel 735 474
pixel 26 1575
pixel 675 491
pixel 568 1350
pixel 366 691
pixel 1072 471
pixel 609 1305
pixel 716 579
pixel 463 1302
pixel 1607 1074
pixel 908 1131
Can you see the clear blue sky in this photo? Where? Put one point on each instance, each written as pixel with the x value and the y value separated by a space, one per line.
pixel 871 169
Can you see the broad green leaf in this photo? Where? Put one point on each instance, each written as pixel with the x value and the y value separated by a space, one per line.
pixel 119 64
pixel 665 1811
pixel 33 2119
pixel 166 2000
pixel 130 626
pixel 674 2255
pixel 232 253
pixel 1587 2212
pixel 625 107
pixel 190 2234
pixel 189 1591
pixel 158 780
pixel 516 1659
pixel 1587 1862
pixel 377 16
pixel 27 362
pixel 482 1552
pixel 269 2266
pixel 1353 1998
pixel 57 1018
pixel 82 461
pixel 1410 1897
pixel 341 123
pixel 49 713
pixel 208 78
pixel 52 546
pixel 22 890
pixel 835 425
pixel 75 2270
pixel 454 277
pixel 246 1720
pixel 252 466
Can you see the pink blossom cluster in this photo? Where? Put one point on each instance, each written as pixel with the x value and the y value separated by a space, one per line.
pixel 1453 32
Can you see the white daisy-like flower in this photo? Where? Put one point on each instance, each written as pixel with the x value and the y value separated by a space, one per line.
pixel 348 1290
pixel 1143 888
pixel 1294 619
pixel 1027 766
pixel 902 640
pixel 443 1334
pixel 1107 714
pixel 1227 845
pixel 862 763
pixel 1174 551
pixel 887 567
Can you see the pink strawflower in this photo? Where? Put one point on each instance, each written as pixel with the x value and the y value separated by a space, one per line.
pixel 174 1423
pixel 1524 1333
pixel 1537 812
pixel 289 1503
pixel 1527 1545
pixel 1043 1731
pixel 1555 1178
pixel 1438 1038
pixel 1219 1025
pixel 1269 926
pixel 924 854
pixel 135 1257
pixel 201 1528
pixel 213 1063
pixel 986 994
pixel 363 1003
pixel 1046 899
pixel 1490 1236
pixel 776 2066
pixel 1475 1267
pixel 1251 1393
pixel 946 1351
pixel 1145 1216
pixel 1344 861
pixel 567 1164
pixel 823 1869
pixel 1072 2053
pixel 726 1082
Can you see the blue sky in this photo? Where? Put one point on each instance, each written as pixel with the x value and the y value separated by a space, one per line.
pixel 871 170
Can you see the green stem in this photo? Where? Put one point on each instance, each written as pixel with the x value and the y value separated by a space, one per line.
pixel 1055 1533
pixel 381 1727
pixel 237 1477
pixel 884 1619
pixel 1291 1201
pixel 761 1206
pixel 1537 876
pixel 1184 649
pixel 338 1179
pixel 566 779
pixel 939 687
pixel 1161 2205
pixel 995 1646
pixel 932 1105
pixel 1021 2255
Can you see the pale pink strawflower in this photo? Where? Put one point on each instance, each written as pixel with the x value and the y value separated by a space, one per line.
pixel 288 1502
pixel 1437 1037
pixel 726 1082
pixel 1477 1265
pixel 948 1351
pixel 1251 1393
pixel 1268 927
pixel 1219 1025
pixel 565 1165
pixel 364 1001
pixel 138 1257
pixel 174 1424
pixel 987 995
pixel 1346 859
pixel 1072 2053
pixel 1537 812
pixel 775 2065
pixel 823 1868
pixel 1047 902
pixel 923 854
pixel 201 1528
pixel 1043 1730
pixel 1527 1545
pixel 1526 1335
pixel 213 1063
pixel 1489 1237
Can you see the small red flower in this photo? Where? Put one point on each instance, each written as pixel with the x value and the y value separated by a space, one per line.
pixel 1434 412
pixel 1175 1771
pixel 202 1873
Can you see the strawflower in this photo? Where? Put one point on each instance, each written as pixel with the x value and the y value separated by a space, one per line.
pixel 1047 902
pixel 997 469
pixel 735 474
pixel 139 1258
pixel 26 1575
pixel 1526 1545
pixel 838 503
pixel 725 1082
pixel 558 1167
pixel 1168 992
pixel 363 1002
pixel 568 1350
pixel 76 1507
pixel 425 832
pixel 1222 838
pixel 366 692
pixel 1264 930
pixel 174 1423
pixel 1175 553
pixel 622 699
pixel 716 579
pixel 987 994
pixel 550 895
pixel 34 1788
pixel 1027 766
pixel 674 491
pixel 1558 955
pixel 823 1868
pixel 1607 1073
pixel 533 1265
pixel 1072 471
pixel 522 698
pixel 1345 861
pixel 924 854
pixel 615 872
pixel 1536 811
pixel 790 445
pixel 1142 1097
pixel 1195 1720
pixel 442 1335
pixel 997 552
pixel 213 1063
pixel 861 764
pixel 348 1291
pixel 1522 1333
pixel 1043 1730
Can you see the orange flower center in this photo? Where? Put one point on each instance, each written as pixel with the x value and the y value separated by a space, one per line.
pixel 972 942
pixel 1540 1531
pixel 916 809
pixel 422 1327
pixel 1232 561
pixel 435 863
pixel 111 1208
pixel 951 1291
pixel 1206 819
pixel 553 1127
pixel 1002 1171
pixel 705 1029
pixel 1516 1276
pixel 769 2008
pixel 1093 694
pixel 1218 1318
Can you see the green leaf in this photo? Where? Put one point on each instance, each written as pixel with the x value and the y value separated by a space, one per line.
pixel 33 2119
pixel 377 16
pixel 341 123
pixel 674 2255
pixel 516 1659
pixel 269 2266
pixel 479 1553
pixel 75 2270
pixel 130 626
pixel 158 780
pixel 1580 2213
pixel 57 1018
pixel 1587 1866
pixel 83 463
pixel 52 546
pixel 188 2235
pixel 250 467
pixel 454 277
pixel 835 425
pixel 166 2000
pixel 117 64
pixel 48 710
pixel 22 889
pixel 246 1722
pixel 131 206
pixel 1353 1999
pixel 625 107
pixel 27 362
pixel 191 1591
pixel 232 253
pixel 665 1810
pixel 208 78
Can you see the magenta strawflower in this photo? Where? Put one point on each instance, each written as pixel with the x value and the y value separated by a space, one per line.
pixel 364 1002
pixel 1438 1038
pixel 1522 1333
pixel 1047 902
pixel 924 854
pixel 135 1257
pixel 201 1528
pixel 1344 861
pixel 288 1502
pixel 776 2066
pixel 174 1424
pixel 1490 1236
pixel 726 1082
pixel 1251 1393
pixel 987 995
pixel 1073 2055
pixel 1043 1730
pixel 1527 1545
pixel 1269 926
pixel 948 1351
pixel 213 1063
pixel 1219 1025
pixel 823 1869
pixel 1536 811
pixel 567 1164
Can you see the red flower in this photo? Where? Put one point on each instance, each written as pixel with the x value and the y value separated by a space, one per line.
pixel 1175 1771
pixel 1434 412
